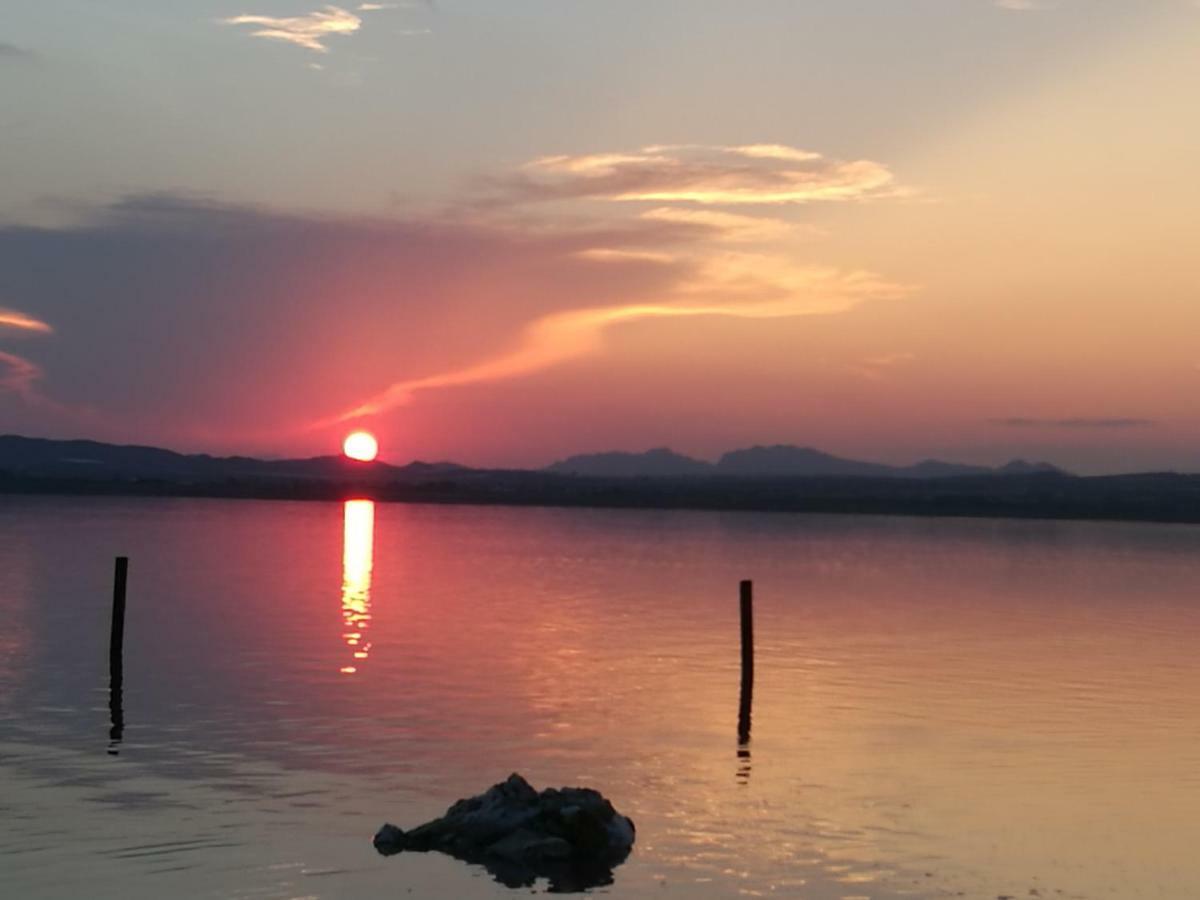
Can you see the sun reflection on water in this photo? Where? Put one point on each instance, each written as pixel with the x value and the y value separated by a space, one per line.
pixel 358 559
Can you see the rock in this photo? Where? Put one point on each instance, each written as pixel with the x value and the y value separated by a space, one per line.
pixel 524 845
pixel 572 836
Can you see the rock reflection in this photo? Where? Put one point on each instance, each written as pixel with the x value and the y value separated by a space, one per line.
pixel 562 876
pixel 358 560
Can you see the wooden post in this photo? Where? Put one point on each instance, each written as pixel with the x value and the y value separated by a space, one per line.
pixel 747 692
pixel 116 638
pixel 116 652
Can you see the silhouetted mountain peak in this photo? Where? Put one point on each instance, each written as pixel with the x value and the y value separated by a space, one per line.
pixel 771 461
pixel 937 468
pixel 44 458
pixel 782 460
pixel 92 460
pixel 1023 467
pixel 661 462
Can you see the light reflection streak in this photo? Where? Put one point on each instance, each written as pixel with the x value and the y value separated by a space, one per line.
pixel 358 560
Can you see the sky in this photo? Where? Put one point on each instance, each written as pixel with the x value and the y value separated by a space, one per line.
pixel 501 232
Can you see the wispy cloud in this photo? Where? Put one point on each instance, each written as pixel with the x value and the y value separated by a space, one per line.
pixel 309 31
pixel 687 239
pixel 610 254
pixel 12 51
pixel 18 374
pixel 11 318
pixel 1082 422
pixel 875 368
pixel 769 174
pixel 1023 5
pixel 742 286
pixel 569 280
pixel 729 226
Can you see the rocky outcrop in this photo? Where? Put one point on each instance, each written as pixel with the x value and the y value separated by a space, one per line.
pixel 572 836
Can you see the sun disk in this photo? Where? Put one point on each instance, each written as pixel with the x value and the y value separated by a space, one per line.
pixel 361 445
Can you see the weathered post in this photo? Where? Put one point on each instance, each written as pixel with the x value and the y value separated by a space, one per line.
pixel 116 652
pixel 116 639
pixel 747 691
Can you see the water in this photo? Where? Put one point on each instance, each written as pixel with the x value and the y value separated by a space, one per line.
pixel 942 708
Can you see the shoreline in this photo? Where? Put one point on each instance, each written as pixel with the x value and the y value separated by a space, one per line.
pixel 1162 498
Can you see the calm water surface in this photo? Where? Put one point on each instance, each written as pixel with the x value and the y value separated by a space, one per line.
pixel 942 708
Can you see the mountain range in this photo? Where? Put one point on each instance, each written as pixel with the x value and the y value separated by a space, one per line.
pixel 93 460
pixel 779 461
pixel 775 479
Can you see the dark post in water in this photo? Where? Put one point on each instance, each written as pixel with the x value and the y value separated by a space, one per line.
pixel 747 692
pixel 116 651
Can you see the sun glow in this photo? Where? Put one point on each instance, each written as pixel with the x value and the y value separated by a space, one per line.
pixel 361 445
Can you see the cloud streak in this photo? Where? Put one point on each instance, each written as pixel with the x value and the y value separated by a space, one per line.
pixel 727 226
pixel 476 295
pixel 709 278
pixel 309 31
pixel 721 288
pixel 12 51
pixel 1083 422
pixel 874 368
pixel 763 174
pixel 11 318
pixel 18 374
pixel 1022 5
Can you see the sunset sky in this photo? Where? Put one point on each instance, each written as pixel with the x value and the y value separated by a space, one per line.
pixel 504 231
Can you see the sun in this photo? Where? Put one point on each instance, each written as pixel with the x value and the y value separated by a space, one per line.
pixel 361 445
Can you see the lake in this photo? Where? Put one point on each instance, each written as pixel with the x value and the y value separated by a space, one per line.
pixel 942 708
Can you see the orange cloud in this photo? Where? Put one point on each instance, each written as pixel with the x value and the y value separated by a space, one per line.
pixel 607 254
pixel 17 374
pixel 744 286
pixel 727 226
pixel 708 175
pixel 10 318
pixel 709 279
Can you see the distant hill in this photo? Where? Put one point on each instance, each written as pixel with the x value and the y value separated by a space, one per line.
pixel 93 460
pixel 778 479
pixel 779 461
pixel 659 463
pixel 783 461
pixel 1021 467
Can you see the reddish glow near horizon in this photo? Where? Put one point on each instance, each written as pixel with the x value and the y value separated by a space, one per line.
pixel 361 445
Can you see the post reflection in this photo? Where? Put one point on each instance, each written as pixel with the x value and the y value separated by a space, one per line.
pixel 358 559
pixel 743 769
pixel 116 707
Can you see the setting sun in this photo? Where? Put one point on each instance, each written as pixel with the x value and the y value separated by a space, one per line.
pixel 361 445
